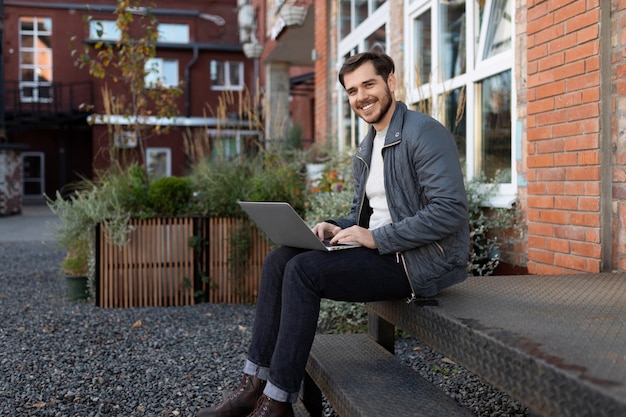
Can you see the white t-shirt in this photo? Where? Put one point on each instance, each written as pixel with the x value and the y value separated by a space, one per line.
pixel 375 185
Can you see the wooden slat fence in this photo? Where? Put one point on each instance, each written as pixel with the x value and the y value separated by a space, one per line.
pixel 234 278
pixel 158 267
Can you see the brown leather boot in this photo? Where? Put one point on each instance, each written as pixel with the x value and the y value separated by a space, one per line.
pixel 241 402
pixel 266 407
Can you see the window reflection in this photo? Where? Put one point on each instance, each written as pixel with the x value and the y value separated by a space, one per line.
pixel 345 18
pixel 378 37
pixel 452 39
pixel 360 7
pixel 495 138
pixel 423 49
pixel 455 120
pixel 500 27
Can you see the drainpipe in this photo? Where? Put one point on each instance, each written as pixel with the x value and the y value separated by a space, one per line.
pixel 191 63
pixel 606 141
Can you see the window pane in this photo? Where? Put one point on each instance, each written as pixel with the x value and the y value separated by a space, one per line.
pixel 44 25
pixel 27 74
pixel 452 39
pixel 379 37
pixel 378 3
pixel 500 28
pixel 104 29
pixel 217 73
pixel 345 22
pixel 455 120
pixel 235 74
pixel 27 24
pixel 153 70
pixel 27 41
pixel 423 50
pixel 495 155
pixel 174 32
pixel 170 72
pixel 361 11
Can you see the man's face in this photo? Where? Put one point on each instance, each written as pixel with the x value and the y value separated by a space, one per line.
pixel 370 96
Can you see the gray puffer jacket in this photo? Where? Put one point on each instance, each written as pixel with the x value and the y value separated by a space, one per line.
pixel 426 198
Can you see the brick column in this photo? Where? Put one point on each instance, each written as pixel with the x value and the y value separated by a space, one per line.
pixel 563 136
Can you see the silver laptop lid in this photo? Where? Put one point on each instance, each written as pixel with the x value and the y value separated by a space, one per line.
pixel 284 226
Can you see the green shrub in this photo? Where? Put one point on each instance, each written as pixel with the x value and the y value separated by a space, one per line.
pixel 170 196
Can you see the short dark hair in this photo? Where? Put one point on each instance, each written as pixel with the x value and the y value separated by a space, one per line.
pixel 383 64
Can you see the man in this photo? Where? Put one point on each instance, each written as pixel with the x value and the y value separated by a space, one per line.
pixel 409 213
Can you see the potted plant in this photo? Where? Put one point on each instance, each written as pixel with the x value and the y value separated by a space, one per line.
pixel 75 266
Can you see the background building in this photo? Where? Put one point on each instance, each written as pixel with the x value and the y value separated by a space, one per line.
pixel 54 106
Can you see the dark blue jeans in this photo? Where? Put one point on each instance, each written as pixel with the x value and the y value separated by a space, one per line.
pixel 293 282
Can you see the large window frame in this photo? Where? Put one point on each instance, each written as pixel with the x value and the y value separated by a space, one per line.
pixel 480 69
pixel 374 28
pixel 221 73
pixel 161 72
pixel 35 59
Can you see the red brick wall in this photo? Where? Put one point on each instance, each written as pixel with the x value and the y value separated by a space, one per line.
pixel 563 136
pixel 322 104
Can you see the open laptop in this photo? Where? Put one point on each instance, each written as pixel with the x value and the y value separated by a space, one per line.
pixel 284 226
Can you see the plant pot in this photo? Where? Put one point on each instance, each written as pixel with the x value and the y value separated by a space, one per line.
pixel 76 287
pixel 293 15
pixel 252 50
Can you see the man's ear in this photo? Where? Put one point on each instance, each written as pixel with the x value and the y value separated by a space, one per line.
pixel 391 82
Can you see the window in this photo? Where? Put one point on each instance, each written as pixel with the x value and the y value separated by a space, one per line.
pixel 35 54
pixel 105 30
pixel 352 13
pixel 372 31
pixel 173 32
pixel 161 72
pixel 466 47
pixel 227 144
pixel 227 75
pixel 159 162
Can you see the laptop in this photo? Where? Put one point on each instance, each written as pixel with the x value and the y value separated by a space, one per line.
pixel 284 226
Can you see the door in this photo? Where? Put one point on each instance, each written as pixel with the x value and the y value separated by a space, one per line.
pixel 33 178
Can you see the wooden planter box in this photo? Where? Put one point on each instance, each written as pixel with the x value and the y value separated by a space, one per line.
pixel 158 267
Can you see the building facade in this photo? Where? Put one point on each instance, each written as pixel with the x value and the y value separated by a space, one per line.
pixel 533 91
pixel 57 109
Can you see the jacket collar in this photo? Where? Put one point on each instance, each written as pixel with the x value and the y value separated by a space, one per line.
pixel 394 132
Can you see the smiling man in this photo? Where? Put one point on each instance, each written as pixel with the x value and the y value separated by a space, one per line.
pixel 409 214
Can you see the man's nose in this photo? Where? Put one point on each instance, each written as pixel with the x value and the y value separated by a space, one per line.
pixel 361 94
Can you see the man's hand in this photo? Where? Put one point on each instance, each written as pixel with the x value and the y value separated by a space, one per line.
pixel 354 234
pixel 325 230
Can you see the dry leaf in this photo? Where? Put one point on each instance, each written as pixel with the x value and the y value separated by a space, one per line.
pixel 448 361
pixel 137 324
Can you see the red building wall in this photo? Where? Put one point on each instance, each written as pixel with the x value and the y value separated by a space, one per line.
pixel 563 163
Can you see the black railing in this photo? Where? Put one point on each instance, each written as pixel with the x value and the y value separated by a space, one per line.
pixel 47 99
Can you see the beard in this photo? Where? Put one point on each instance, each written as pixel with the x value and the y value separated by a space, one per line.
pixel 385 104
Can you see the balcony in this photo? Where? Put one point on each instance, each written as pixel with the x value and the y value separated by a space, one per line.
pixel 30 106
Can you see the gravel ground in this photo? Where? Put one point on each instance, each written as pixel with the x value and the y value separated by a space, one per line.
pixel 62 358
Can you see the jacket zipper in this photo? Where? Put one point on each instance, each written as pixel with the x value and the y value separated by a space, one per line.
pixel 400 258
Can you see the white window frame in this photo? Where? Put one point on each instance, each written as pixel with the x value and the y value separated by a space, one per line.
pixel 110 31
pixel 158 152
pixel 477 70
pixel 355 41
pixel 157 77
pixel 173 32
pixel 220 136
pixel 228 85
pixel 36 52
